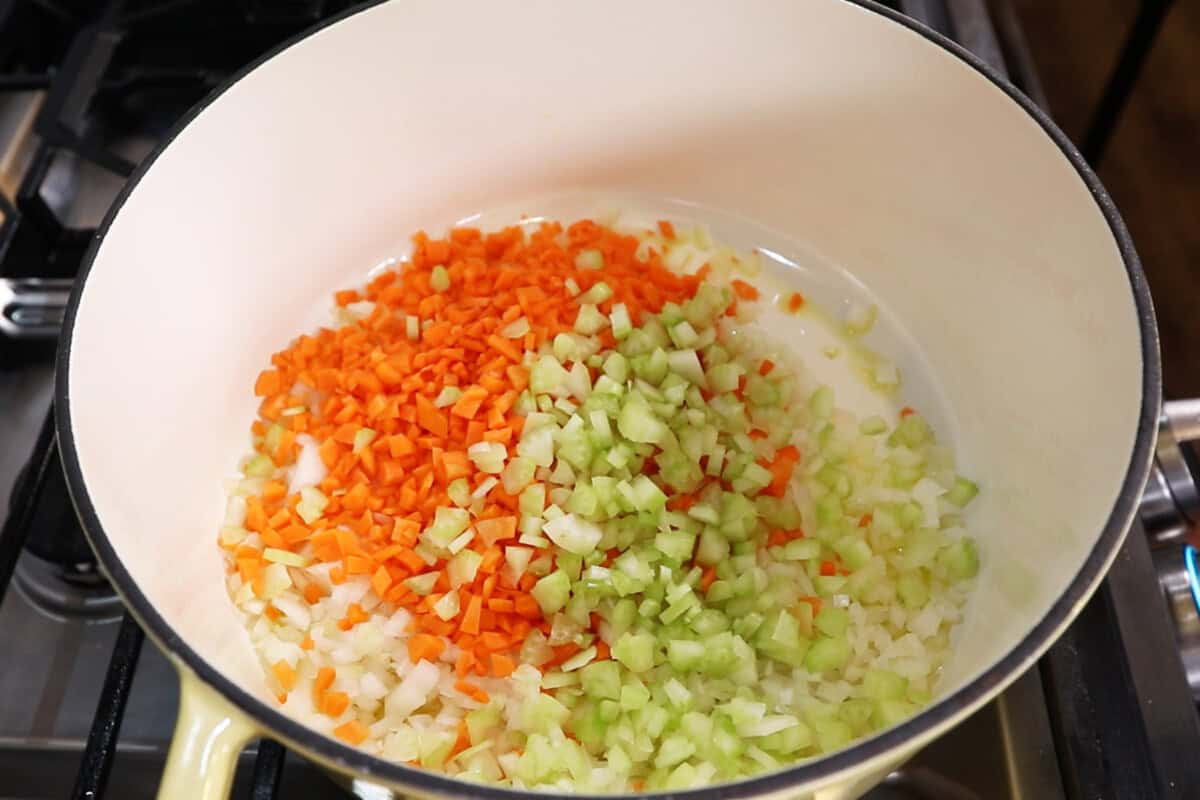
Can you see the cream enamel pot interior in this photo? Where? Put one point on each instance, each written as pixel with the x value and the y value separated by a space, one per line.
pixel 882 147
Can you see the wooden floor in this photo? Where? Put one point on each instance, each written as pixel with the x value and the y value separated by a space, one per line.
pixel 1152 167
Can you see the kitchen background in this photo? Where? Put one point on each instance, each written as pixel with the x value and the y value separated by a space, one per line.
pixel 1150 166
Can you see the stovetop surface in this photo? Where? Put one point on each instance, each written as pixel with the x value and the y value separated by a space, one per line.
pixel 85 91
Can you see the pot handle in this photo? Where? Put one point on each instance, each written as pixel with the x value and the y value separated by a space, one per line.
pixel 209 735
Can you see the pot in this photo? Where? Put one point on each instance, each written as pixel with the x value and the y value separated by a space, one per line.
pixel 866 141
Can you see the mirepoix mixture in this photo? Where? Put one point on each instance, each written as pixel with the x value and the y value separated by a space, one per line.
pixel 544 512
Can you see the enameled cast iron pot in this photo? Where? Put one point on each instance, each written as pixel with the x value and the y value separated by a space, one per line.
pixel 881 146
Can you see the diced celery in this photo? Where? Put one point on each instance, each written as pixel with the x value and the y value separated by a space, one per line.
pixel 962 492
pixel 704 513
pixel 537 445
pixel 285 557
pixel 724 377
pixel 516 329
pixel 439 279
pixel 635 651
pixel 912 431
pixel 684 655
pixel 637 423
pixel 602 680
pixel 855 552
pixel 579 660
pixel 832 621
pixel 675 545
pixel 259 466
pixel 312 504
pixel 872 426
pixel 913 589
pixel 362 438
pixel 882 684
pixel 960 559
pixel 533 500
pixel 573 534
pixel 889 712
pixel 447 606
pixel 569 563
pixel 589 320
pixel 552 592
pixel 462 568
pixel 448 523
pixel 548 377
pixel 434 748
pixel 488 457
pixel 634 696
pixel 778 637
pixel 827 653
pixel 821 403
pixel 677 694
pixel 422 584
pixel 673 750
pixel 589 259
pixel 801 550
pixel 616 367
pixel 827 585
pixel 832 734
pixel 599 292
pixel 621 324
pixel 517 474
pixel 712 548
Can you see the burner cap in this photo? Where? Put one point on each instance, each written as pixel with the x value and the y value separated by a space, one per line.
pixel 71 591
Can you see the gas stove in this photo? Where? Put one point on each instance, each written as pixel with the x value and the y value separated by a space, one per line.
pixel 86 90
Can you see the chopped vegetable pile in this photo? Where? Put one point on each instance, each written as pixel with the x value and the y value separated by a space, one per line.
pixel 544 512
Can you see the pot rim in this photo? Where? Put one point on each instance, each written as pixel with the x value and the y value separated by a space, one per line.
pixel 927 723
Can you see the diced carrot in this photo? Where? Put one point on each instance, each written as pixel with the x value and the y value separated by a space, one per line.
pixel 313 594
pixel 380 581
pixel 430 417
pixel 324 679
pixel 472 691
pixel 470 623
pixel 496 529
pixel 270 382
pixel 334 704
pixel 744 290
pixel 502 665
pixel 468 403
pixel 464 738
pixel 353 732
pixel 425 646
pixel 381 373
pixel 681 502
pixel 359 565
pixel 285 674
pixel 527 607
pixel 274 491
